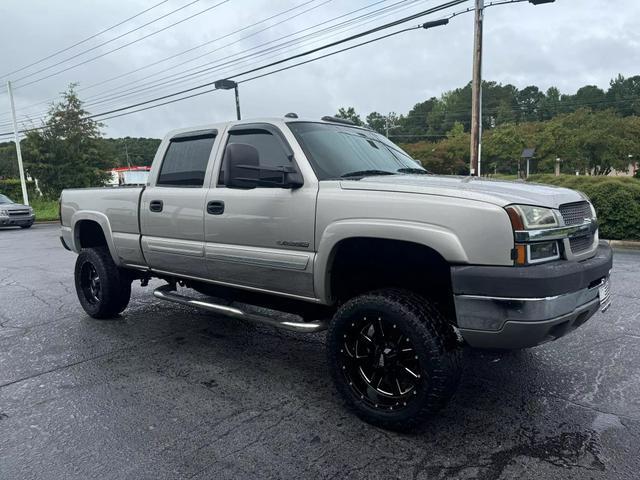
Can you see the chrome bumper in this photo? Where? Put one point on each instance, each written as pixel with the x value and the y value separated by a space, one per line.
pixel 499 322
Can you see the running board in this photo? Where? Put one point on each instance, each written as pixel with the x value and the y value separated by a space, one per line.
pixel 166 292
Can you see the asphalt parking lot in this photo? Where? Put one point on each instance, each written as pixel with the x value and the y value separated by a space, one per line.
pixel 170 392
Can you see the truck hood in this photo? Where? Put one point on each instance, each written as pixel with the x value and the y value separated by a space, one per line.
pixel 13 206
pixel 497 192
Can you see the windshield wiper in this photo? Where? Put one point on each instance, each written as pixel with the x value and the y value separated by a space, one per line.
pixel 366 173
pixel 419 171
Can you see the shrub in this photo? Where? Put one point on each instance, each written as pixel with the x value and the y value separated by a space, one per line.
pixel 11 188
pixel 616 200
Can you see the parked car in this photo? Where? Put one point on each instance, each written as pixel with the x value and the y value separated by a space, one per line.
pixel 14 214
pixel 337 224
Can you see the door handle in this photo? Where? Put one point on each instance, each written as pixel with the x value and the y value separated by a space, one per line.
pixel 215 207
pixel 155 205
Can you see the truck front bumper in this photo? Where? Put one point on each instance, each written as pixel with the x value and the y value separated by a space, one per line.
pixel 520 307
pixel 17 221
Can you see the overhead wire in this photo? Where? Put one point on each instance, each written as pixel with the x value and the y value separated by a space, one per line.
pixel 103 54
pixel 85 40
pixel 392 24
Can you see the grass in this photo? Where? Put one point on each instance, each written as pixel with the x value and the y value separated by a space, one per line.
pixel 45 209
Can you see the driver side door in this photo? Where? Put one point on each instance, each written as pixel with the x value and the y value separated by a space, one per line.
pixel 261 238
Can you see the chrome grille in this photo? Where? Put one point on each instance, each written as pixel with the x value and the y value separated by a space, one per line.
pixel 575 213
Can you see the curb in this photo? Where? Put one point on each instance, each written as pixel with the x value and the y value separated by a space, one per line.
pixel 625 244
pixel 46 222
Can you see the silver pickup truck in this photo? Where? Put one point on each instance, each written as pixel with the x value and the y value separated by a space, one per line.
pixel 339 226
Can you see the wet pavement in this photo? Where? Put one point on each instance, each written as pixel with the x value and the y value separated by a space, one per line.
pixel 170 392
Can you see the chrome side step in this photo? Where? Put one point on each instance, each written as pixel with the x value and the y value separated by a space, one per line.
pixel 167 293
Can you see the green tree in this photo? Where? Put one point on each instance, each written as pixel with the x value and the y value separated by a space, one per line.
pixel 8 160
pixel 66 152
pixel 349 113
pixel 376 121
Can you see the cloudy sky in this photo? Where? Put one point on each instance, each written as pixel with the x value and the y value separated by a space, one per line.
pixel 567 44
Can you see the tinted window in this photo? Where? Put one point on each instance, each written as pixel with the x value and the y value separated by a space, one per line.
pixel 185 162
pixel 270 148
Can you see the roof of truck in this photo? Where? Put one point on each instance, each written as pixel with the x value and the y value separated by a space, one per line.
pixel 273 120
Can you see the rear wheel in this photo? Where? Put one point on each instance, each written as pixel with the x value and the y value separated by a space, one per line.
pixel 103 290
pixel 393 357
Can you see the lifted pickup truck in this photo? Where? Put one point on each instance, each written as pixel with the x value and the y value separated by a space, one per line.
pixel 338 225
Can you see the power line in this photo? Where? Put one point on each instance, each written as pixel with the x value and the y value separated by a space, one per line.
pixel 244 38
pixel 293 57
pixel 49 100
pixel 85 40
pixel 120 47
pixel 179 77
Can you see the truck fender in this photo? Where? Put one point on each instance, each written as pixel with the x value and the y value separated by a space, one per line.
pixel 102 220
pixel 436 237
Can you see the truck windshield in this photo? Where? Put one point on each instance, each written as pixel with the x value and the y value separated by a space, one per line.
pixel 337 151
pixel 4 199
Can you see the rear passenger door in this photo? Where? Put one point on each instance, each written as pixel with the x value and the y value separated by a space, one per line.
pixel 172 207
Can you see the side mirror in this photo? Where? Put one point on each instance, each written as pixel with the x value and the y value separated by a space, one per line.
pixel 242 170
pixel 241 166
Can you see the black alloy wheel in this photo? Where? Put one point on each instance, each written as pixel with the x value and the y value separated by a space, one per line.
pixel 90 282
pixel 393 357
pixel 103 289
pixel 380 363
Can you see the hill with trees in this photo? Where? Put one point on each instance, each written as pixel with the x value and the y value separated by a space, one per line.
pixel 593 129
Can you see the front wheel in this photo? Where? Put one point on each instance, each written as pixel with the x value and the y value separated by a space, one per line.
pixel 103 290
pixel 26 226
pixel 393 357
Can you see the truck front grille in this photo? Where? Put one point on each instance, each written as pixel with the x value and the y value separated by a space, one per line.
pixel 18 213
pixel 580 244
pixel 575 214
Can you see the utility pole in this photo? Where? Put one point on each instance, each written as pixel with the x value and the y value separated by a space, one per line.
pixel 476 92
pixel 16 136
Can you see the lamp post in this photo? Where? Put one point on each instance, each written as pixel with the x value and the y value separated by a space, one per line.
pixel 228 85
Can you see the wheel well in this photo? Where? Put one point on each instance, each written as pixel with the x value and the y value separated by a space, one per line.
pixel 89 234
pixel 363 264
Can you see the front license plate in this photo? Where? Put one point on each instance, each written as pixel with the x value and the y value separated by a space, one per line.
pixel 604 293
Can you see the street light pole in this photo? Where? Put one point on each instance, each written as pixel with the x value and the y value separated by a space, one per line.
pixel 476 92
pixel 227 84
pixel 237 101
pixel 16 136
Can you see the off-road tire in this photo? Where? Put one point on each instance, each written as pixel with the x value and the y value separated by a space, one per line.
pixel 430 335
pixel 114 284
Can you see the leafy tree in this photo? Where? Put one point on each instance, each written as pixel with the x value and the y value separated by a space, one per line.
pixel 67 151
pixel 530 101
pixel 130 151
pixel 624 95
pixel 376 121
pixel 8 160
pixel 349 113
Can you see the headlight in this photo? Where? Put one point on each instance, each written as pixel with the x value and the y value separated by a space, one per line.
pixel 527 217
pixel 30 211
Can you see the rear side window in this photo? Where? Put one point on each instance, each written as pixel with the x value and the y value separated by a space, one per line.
pixel 185 162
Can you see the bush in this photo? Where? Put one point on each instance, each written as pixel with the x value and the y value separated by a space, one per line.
pixel 616 200
pixel 11 188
